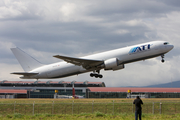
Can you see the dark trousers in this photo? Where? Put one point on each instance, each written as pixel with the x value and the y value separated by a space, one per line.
pixel 138 113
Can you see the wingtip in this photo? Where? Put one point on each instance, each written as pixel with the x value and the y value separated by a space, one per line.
pixel 14 48
pixel 56 56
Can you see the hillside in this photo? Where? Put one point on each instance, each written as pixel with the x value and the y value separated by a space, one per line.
pixel 175 84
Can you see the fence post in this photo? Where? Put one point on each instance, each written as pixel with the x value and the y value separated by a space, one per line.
pixel 160 108
pixel 175 108
pixel 52 107
pixel 113 107
pixel 33 107
pixel 153 108
pixel 65 108
pixel 14 107
pixel 106 109
pixel 132 107
pixel 92 107
pixel 72 106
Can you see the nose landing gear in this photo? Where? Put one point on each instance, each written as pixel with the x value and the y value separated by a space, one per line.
pixel 162 56
pixel 96 75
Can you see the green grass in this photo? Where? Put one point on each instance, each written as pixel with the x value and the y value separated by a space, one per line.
pixel 84 116
pixel 25 107
pixel 87 109
pixel 116 100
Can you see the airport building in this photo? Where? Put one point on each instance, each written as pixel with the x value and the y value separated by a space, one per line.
pixel 128 92
pixel 46 89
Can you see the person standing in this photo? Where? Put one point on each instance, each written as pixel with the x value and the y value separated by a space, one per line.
pixel 138 111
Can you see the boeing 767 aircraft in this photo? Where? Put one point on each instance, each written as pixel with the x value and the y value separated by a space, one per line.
pixel 109 60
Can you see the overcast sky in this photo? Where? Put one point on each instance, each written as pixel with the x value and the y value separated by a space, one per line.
pixel 43 28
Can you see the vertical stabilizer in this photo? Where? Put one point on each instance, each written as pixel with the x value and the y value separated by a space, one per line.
pixel 73 91
pixel 27 62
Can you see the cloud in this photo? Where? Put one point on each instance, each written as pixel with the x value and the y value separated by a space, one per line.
pixel 78 28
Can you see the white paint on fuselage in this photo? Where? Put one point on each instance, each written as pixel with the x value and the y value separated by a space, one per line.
pixel 64 69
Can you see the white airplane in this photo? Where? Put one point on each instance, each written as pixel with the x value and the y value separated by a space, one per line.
pixel 109 60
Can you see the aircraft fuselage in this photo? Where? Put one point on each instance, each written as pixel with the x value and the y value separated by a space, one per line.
pixel 123 56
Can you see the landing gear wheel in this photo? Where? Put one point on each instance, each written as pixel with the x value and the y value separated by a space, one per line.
pixel 96 75
pixel 92 74
pixel 162 56
pixel 100 76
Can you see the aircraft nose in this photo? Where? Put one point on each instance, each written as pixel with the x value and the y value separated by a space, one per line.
pixel 170 47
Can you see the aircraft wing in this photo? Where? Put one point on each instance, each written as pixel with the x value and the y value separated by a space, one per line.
pixel 86 63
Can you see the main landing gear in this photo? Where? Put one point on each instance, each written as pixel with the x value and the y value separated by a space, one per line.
pixel 162 56
pixel 96 75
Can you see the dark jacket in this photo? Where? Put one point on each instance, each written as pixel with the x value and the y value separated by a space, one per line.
pixel 138 103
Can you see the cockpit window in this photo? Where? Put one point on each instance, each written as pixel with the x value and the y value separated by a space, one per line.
pixel 166 43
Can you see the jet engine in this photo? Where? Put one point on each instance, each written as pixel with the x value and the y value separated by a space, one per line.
pixel 113 64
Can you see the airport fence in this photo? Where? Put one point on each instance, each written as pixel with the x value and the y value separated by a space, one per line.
pixel 78 108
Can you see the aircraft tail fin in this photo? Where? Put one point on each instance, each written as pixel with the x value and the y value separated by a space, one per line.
pixel 27 62
pixel 73 91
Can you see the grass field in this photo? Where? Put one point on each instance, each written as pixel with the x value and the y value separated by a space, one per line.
pixel 87 100
pixel 95 116
pixel 121 109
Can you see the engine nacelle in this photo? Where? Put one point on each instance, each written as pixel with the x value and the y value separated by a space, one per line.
pixel 112 64
pixel 118 67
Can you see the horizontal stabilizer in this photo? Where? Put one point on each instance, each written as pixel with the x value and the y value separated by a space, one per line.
pixel 86 63
pixel 24 73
